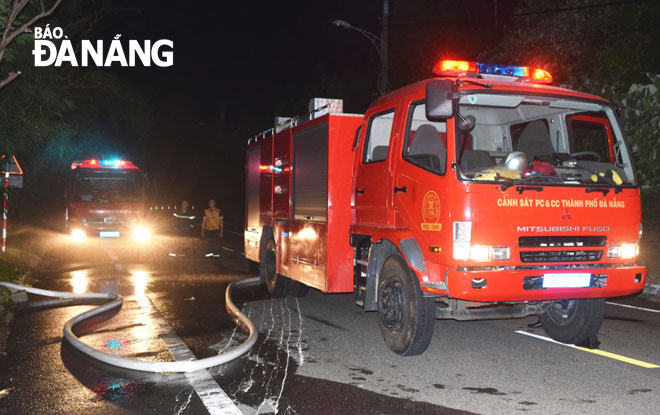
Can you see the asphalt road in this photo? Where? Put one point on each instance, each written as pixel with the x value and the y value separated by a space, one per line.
pixel 319 354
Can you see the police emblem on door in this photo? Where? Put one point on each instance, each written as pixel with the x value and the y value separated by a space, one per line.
pixel 431 212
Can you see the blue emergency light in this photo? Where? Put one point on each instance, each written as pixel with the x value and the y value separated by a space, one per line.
pixel 465 68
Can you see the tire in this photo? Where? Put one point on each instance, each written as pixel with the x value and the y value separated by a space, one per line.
pixel 277 284
pixel 297 289
pixel 405 316
pixel 573 321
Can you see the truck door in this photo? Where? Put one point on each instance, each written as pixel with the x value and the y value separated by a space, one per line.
pixel 421 202
pixel 373 181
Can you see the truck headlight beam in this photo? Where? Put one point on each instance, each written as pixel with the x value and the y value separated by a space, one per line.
pixel 78 235
pixel 141 234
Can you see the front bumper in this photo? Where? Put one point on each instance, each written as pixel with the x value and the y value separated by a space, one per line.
pixel 519 285
pixel 107 231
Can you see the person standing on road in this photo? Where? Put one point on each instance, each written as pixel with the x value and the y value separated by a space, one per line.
pixel 184 225
pixel 212 229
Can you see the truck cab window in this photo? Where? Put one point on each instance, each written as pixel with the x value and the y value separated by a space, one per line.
pixel 548 140
pixel 426 142
pixel 589 137
pixel 377 141
pixel 532 132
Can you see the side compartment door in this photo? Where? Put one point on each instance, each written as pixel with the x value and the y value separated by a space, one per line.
pixel 252 202
pixel 281 175
pixel 373 181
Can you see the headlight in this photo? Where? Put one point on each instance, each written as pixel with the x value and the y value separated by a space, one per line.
pixel 629 251
pixel 623 251
pixel 141 234
pixel 462 234
pixel 614 251
pixel 461 250
pixel 462 231
pixel 501 253
pixel 480 253
pixel 78 235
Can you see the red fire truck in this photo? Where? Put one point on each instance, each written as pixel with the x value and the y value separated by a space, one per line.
pixel 106 199
pixel 483 193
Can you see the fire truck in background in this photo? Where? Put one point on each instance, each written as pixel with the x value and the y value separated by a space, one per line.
pixel 106 199
pixel 484 193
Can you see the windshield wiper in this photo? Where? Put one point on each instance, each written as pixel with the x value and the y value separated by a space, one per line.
pixel 521 185
pixel 617 188
pixel 604 190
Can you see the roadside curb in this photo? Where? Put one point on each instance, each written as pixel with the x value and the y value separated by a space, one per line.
pixel 652 290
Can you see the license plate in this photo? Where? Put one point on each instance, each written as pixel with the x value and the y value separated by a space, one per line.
pixel 567 280
pixel 109 234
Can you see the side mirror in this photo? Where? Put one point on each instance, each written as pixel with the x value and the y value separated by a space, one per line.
pixel 440 103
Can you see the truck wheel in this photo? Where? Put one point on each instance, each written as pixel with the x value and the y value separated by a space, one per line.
pixel 276 284
pixel 573 321
pixel 406 317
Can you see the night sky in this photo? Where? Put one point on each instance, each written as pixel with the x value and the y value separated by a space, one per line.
pixel 239 64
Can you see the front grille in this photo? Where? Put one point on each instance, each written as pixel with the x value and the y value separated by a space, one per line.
pixel 106 221
pixel 561 241
pixel 561 256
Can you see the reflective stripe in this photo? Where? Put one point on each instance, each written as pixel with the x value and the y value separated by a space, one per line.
pixel 182 216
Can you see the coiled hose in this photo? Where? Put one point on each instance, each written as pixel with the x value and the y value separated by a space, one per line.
pixel 115 301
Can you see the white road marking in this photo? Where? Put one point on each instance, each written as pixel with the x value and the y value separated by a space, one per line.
pixel 599 352
pixel 228 249
pixel 548 339
pixel 650 310
pixel 212 396
pixel 208 390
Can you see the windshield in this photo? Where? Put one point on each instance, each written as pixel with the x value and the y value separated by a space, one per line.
pixel 108 187
pixel 544 140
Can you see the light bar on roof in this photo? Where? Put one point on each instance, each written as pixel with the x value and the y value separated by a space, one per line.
pixel 108 164
pixel 465 68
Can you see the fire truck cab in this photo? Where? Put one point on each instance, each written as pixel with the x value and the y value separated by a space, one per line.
pixel 484 193
pixel 105 199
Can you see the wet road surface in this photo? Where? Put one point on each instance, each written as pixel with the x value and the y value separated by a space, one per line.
pixel 319 354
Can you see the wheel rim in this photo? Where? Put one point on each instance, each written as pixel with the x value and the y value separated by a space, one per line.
pixel 392 311
pixel 562 312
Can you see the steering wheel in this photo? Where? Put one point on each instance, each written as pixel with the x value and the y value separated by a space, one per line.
pixel 588 154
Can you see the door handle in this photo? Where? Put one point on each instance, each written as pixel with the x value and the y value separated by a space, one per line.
pixel 403 189
pixel 359 191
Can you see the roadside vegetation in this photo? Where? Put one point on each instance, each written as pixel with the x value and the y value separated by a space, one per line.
pixel 604 48
pixel 8 274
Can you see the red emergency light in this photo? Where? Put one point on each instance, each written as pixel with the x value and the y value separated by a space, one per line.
pixel 107 164
pixel 445 67
pixel 541 76
pixel 465 68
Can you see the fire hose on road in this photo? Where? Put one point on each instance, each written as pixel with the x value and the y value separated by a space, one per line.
pixel 115 301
